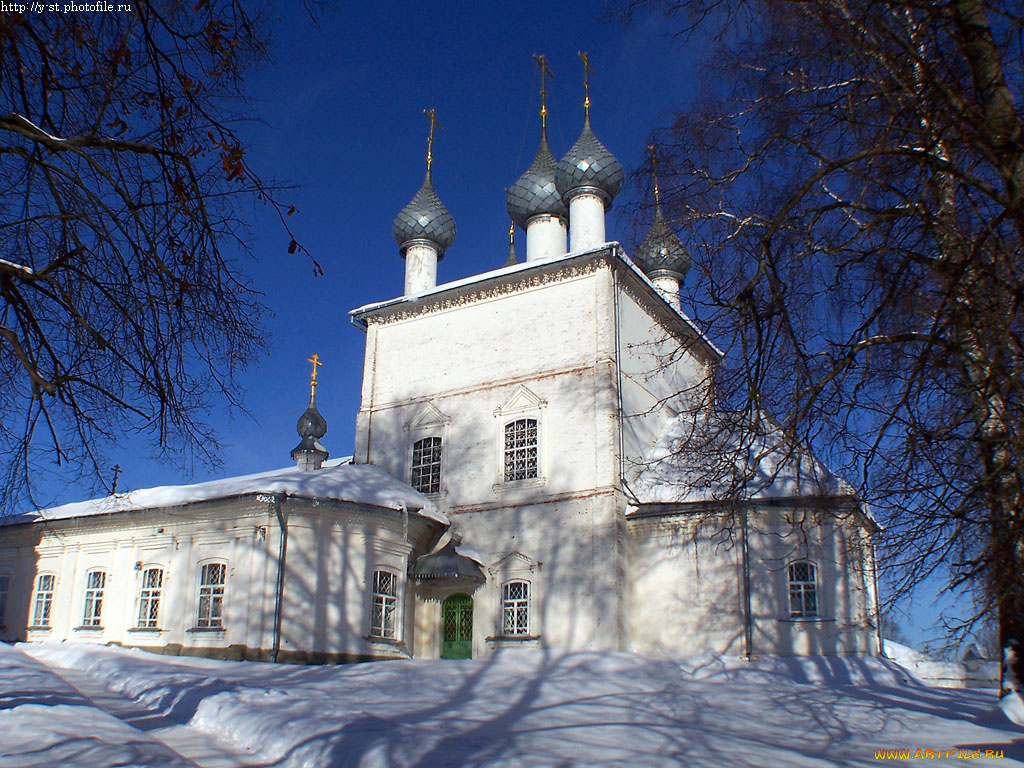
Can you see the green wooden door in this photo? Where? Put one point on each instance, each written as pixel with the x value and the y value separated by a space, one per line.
pixel 457 627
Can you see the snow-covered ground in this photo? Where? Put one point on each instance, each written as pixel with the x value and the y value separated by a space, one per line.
pixel 516 708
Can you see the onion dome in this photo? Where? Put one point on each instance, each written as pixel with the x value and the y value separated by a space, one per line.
pixel 311 427
pixel 425 218
pixel 534 192
pixel 660 250
pixel 589 164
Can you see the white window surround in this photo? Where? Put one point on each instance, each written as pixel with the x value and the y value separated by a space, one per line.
pixel 429 421
pixel 802 582
pixel 42 601
pixel 92 603
pixel 151 586
pixel 515 608
pixel 515 567
pixel 385 604
pixel 213 576
pixel 521 405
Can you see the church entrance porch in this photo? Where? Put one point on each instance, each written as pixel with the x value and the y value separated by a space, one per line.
pixel 457 627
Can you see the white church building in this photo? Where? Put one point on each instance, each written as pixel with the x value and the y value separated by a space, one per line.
pixel 519 479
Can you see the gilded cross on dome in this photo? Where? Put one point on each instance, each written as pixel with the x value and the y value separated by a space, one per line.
pixel 542 62
pixel 431 115
pixel 587 71
pixel 315 360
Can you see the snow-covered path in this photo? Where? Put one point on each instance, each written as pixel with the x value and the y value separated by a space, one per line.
pixel 535 708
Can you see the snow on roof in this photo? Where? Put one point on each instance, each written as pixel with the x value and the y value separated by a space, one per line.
pixel 337 480
pixel 705 460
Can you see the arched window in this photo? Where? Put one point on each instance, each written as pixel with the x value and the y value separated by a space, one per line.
pixel 212 579
pixel 92 616
pixel 150 590
pixel 515 608
pixel 803 590
pixel 43 603
pixel 426 465
pixel 384 605
pixel 520 449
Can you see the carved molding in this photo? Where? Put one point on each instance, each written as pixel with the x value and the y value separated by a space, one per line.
pixel 517 282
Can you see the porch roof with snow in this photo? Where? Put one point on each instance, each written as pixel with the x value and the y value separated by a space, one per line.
pixel 336 480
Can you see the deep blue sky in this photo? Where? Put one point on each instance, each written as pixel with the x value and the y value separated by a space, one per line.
pixel 339 113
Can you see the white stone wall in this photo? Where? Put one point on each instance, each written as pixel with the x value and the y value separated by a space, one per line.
pixel 686 584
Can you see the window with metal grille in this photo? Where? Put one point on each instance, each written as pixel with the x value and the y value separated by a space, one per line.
pixel 211 595
pixel 803 590
pixel 43 601
pixel 5 587
pixel 520 449
pixel 149 598
pixel 384 605
pixel 426 465
pixel 515 608
pixel 93 613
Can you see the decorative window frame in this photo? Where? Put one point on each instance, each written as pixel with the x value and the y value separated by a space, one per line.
pixel 521 404
pixel 429 421
pixel 93 599
pixel 209 625
pixel 516 567
pixel 396 638
pixel 516 605
pixel 37 592
pixel 145 595
pixel 803 588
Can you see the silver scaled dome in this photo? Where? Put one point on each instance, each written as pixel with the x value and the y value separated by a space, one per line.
pixel 534 192
pixel 425 218
pixel 661 251
pixel 589 164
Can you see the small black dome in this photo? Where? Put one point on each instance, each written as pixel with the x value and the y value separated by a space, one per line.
pixel 589 164
pixel 425 218
pixel 661 250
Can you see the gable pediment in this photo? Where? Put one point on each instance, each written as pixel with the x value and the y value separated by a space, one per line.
pixel 428 416
pixel 521 399
pixel 514 562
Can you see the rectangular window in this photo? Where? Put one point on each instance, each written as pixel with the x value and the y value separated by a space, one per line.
pixel 211 596
pixel 515 608
pixel 43 601
pixel 520 449
pixel 426 465
pixel 385 604
pixel 92 616
pixel 149 598
pixel 803 591
pixel 5 587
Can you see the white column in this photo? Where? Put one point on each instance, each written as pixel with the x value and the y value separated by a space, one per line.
pixel 420 267
pixel 586 220
pixel 545 237
pixel 667 284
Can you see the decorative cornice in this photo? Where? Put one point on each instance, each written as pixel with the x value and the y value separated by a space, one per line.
pixel 517 282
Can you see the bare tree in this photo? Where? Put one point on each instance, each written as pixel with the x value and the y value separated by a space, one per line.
pixel 121 172
pixel 852 178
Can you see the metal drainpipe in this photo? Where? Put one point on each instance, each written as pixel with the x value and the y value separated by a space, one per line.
pixel 748 630
pixel 621 575
pixel 282 552
pixel 878 609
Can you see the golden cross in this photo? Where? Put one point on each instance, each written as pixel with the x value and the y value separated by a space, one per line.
pixel 587 71
pixel 315 360
pixel 654 173
pixel 432 116
pixel 542 62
